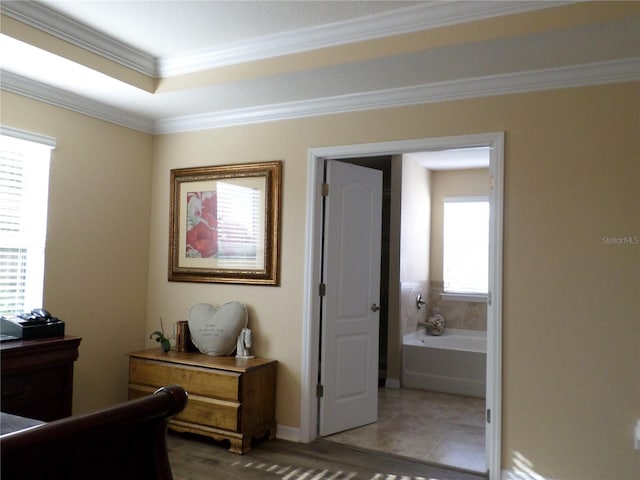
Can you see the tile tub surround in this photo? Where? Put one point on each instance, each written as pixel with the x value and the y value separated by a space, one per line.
pixel 462 315
pixel 433 427
pixel 409 314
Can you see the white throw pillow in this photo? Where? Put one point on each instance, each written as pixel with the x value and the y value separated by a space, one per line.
pixel 214 330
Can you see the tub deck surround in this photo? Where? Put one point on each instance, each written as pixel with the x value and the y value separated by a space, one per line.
pixel 454 362
pixel 451 339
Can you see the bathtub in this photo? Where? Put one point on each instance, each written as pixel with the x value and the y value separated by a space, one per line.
pixel 454 362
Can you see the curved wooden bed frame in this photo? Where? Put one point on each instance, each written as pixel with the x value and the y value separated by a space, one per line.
pixel 127 441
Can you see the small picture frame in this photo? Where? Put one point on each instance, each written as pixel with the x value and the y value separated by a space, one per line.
pixel 225 224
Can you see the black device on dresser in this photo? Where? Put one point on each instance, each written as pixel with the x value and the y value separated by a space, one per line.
pixel 35 324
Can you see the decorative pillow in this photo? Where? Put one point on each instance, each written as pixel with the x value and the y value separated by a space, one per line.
pixel 214 330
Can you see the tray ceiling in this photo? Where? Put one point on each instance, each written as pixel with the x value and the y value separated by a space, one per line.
pixel 166 39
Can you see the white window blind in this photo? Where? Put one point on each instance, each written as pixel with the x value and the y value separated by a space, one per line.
pixel 238 223
pixel 24 185
pixel 466 245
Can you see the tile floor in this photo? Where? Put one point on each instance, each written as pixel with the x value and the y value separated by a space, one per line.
pixel 433 427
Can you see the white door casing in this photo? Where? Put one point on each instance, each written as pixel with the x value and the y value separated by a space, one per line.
pixel 350 311
pixel 311 321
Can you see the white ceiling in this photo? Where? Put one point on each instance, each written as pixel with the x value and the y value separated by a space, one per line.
pixel 166 38
pixel 164 28
pixel 454 159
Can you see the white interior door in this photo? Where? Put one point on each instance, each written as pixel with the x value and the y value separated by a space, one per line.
pixel 350 312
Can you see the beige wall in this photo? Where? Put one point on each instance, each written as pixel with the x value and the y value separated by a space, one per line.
pixel 571 176
pixel 97 241
pixel 571 358
pixel 416 220
pixel 451 183
pixel 414 244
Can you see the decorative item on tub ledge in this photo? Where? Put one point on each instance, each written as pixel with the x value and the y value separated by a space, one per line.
pixel 435 325
pixel 225 224
pixel 164 342
pixel 214 330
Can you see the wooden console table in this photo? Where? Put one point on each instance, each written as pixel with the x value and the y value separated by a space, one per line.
pixel 37 376
pixel 229 399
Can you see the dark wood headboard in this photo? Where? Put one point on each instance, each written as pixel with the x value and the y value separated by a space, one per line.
pixel 127 441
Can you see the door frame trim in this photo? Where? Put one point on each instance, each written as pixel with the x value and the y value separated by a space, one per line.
pixel 311 306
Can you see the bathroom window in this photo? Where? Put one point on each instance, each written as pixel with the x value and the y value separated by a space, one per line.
pixel 466 245
pixel 24 186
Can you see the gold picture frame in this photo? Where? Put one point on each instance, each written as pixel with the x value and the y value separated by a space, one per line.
pixel 225 224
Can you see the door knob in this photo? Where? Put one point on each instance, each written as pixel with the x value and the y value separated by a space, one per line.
pixel 374 307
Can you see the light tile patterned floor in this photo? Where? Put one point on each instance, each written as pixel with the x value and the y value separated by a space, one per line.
pixel 430 426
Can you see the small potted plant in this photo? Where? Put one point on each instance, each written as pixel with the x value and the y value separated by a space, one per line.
pixel 164 342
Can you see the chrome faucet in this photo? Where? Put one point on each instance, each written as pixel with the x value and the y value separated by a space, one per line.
pixel 420 301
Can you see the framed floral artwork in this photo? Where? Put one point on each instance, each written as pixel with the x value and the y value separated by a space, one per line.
pixel 225 224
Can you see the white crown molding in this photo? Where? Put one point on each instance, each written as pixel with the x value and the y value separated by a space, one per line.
pixel 617 71
pixel 425 16
pixel 76 103
pixel 49 21
pixel 563 77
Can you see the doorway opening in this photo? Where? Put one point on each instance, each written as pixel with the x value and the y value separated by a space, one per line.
pixel 311 325
pixel 431 400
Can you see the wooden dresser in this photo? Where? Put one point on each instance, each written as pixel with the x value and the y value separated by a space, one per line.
pixel 37 377
pixel 229 399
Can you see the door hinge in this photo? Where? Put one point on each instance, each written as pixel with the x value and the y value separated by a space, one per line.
pixel 492 182
pixel 489 299
pixel 488 415
pixel 322 290
pixel 325 189
pixel 319 391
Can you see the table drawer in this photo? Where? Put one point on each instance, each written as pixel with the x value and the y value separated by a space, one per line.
pixel 195 380
pixel 203 411
pixel 211 412
pixel 229 398
pixel 39 394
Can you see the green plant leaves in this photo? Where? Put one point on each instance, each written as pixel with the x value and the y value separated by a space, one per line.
pixel 162 340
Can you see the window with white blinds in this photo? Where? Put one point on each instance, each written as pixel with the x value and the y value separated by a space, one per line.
pixel 466 245
pixel 24 185
pixel 239 225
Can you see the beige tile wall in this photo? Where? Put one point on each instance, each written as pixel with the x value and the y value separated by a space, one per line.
pixel 409 313
pixel 465 315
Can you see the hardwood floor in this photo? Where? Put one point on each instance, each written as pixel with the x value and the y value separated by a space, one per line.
pixel 197 458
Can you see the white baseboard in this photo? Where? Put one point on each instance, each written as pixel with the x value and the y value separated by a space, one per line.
pixel 523 474
pixel 288 433
pixel 392 383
